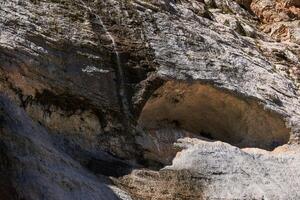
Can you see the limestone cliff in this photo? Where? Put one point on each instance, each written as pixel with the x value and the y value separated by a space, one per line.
pixel 156 99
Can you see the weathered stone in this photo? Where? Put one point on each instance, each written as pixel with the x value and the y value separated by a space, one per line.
pixel 36 168
pixel 216 170
pixel 95 89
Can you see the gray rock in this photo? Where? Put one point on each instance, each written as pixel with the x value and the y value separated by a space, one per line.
pixel 93 89
pixel 240 173
pixel 38 169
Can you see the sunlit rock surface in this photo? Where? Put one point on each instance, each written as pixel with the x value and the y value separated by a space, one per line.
pixel 94 94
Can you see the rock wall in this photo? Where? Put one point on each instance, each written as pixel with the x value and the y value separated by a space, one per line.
pixel 88 86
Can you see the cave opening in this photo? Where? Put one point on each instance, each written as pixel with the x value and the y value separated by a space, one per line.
pixel 197 110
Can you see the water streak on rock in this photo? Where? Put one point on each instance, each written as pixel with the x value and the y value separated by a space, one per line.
pixel 122 90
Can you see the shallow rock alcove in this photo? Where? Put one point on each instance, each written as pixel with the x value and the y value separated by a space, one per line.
pixel 200 110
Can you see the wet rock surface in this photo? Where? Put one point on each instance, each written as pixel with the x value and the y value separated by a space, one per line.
pixel 94 94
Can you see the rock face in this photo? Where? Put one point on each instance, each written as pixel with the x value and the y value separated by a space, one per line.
pixel 35 168
pixel 94 94
pixel 206 167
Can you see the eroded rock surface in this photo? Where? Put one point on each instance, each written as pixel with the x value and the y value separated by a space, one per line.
pixel 95 92
pixel 206 167
pixel 35 168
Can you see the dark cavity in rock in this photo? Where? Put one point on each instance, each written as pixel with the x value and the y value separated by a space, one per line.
pixel 178 109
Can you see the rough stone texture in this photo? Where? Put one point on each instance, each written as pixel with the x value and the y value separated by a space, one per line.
pixel 216 115
pixel 205 112
pixel 35 168
pixel 259 173
pixel 280 18
pixel 219 56
pixel 216 170
pixel 67 68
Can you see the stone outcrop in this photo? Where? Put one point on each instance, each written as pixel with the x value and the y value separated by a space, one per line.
pixel 34 167
pixel 94 94
pixel 206 167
